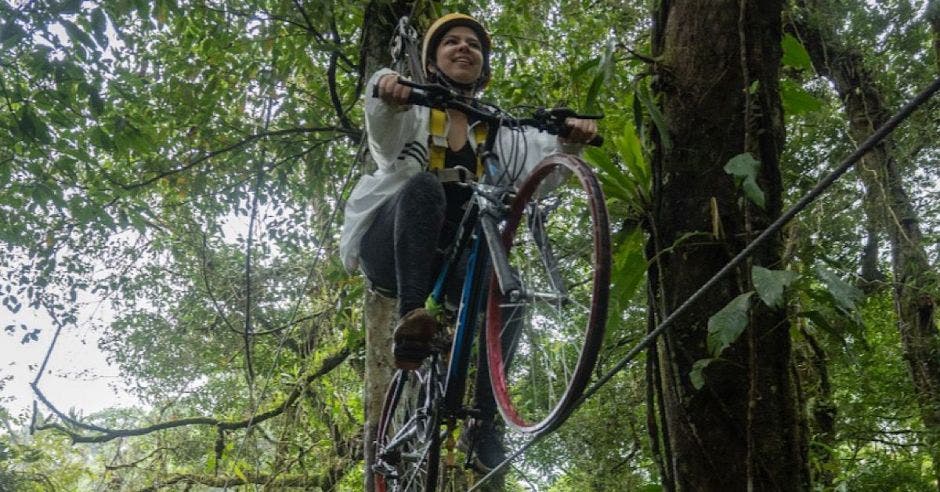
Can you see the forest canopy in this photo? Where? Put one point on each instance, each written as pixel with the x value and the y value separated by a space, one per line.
pixel 187 163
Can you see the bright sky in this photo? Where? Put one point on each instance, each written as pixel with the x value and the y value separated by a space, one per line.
pixel 77 375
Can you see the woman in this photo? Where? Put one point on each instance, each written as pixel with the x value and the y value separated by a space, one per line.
pixel 402 216
pixel 399 219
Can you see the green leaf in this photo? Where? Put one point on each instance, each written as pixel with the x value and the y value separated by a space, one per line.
pixel 796 100
pixel 637 107
pixel 77 34
pixel 844 293
pixel 770 284
pixel 725 326
pixel 31 126
pixel 631 152
pixel 99 26
pixel 95 103
pixel 696 375
pixel 819 319
pixel 744 168
pixel 655 115
pixel 590 103
pixel 794 54
pixel 584 67
pixel 70 6
pixel 629 264
pixel 610 174
pixel 600 80
pixel 10 34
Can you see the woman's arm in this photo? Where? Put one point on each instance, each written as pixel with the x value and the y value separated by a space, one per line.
pixel 388 125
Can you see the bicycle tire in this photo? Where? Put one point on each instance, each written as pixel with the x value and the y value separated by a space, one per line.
pixel 408 439
pixel 543 345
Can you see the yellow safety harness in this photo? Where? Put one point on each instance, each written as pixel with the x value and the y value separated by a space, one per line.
pixel 437 144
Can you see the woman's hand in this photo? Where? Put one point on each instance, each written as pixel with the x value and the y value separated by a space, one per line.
pixel 581 131
pixel 391 91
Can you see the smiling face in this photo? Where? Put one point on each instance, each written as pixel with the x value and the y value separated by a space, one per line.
pixel 459 55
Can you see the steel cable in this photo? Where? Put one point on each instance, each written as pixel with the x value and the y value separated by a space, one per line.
pixel 772 229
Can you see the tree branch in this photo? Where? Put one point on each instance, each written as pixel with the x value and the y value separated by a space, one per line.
pixel 325 481
pixel 106 434
pixel 354 133
pixel 334 96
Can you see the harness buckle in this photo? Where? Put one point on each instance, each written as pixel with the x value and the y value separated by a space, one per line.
pixel 456 174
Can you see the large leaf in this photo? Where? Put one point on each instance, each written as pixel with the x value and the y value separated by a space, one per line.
pixel 845 294
pixel 10 34
pixel 770 284
pixel 77 34
pixel 744 168
pixel 629 264
pixel 725 326
pixel 32 127
pixel 796 100
pixel 655 114
pixel 794 54
pixel 696 375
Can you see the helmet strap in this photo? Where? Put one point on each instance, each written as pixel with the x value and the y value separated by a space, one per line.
pixel 438 76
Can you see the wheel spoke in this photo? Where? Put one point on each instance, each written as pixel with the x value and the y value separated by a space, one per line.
pixel 559 251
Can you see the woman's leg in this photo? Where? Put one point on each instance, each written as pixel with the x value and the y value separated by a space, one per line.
pixel 399 251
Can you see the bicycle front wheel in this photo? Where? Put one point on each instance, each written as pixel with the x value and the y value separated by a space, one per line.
pixel 408 444
pixel 542 341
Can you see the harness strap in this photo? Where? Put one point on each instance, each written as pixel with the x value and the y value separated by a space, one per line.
pixel 437 141
pixel 456 174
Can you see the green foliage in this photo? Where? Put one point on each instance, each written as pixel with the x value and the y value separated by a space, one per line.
pixel 797 100
pixel 770 284
pixel 139 139
pixel 697 374
pixel 744 167
pixel 794 54
pixel 725 326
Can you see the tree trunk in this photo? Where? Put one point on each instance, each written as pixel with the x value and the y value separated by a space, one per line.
pixel 740 431
pixel 933 16
pixel 914 279
pixel 379 313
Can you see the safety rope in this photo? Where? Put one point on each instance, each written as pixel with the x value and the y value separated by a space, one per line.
pixel 404 48
pixel 772 229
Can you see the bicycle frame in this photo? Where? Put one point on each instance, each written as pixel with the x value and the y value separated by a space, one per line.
pixel 486 248
pixel 472 300
pixel 483 237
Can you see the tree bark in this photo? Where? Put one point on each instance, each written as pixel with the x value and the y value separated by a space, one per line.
pixel 717 79
pixel 914 279
pixel 933 16
pixel 379 313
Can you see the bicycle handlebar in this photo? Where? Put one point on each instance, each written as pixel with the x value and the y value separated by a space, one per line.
pixel 549 120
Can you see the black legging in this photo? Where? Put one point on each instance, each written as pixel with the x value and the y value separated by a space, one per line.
pixel 401 250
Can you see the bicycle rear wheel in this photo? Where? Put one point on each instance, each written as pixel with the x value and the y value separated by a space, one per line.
pixel 408 444
pixel 542 342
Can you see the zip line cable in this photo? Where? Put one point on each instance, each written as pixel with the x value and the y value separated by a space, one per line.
pixel 773 228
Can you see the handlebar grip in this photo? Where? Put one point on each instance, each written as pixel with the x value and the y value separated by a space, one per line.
pixel 416 97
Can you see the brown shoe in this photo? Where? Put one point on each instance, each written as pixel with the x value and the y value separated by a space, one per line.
pixel 413 338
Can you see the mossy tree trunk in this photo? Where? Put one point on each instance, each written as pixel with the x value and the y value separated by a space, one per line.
pixel 914 280
pixel 717 81
pixel 379 313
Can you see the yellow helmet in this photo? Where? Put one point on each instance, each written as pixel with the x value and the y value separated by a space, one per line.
pixel 440 27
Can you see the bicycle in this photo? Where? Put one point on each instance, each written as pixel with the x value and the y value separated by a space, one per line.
pixel 545 303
